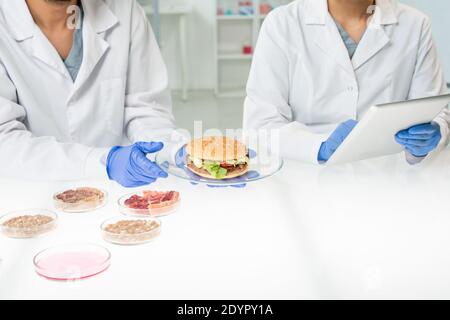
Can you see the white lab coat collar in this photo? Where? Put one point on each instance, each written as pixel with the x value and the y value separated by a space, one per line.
pixel 316 12
pixel 94 48
pixel 22 25
pixel 98 15
pixel 98 19
pixel 19 19
pixel 376 38
pixel 327 37
pixel 387 12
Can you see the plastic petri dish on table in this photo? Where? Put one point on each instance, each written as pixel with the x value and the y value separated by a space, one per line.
pixel 72 262
pixel 130 231
pixel 149 203
pixel 79 200
pixel 28 223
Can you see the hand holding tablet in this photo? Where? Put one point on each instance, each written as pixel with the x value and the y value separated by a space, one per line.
pixel 393 127
pixel 420 140
pixel 329 147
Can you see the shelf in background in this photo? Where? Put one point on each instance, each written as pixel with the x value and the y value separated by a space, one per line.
pixel 233 33
pixel 235 17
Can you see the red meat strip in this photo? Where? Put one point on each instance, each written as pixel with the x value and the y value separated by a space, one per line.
pixel 152 200
pixel 162 199
pixel 137 202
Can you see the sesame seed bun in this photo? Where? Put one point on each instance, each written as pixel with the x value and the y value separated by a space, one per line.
pixel 216 149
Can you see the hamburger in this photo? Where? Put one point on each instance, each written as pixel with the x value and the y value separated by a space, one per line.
pixel 217 158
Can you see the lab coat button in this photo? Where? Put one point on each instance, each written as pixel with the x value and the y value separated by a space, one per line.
pixel 352 89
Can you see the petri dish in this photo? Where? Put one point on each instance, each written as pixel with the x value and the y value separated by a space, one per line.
pixel 261 166
pixel 140 205
pixel 80 200
pixel 130 231
pixel 72 262
pixel 28 223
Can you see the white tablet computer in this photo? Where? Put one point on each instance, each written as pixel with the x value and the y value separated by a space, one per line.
pixel 374 135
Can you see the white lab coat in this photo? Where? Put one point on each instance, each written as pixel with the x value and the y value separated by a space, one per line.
pixel 303 84
pixel 57 129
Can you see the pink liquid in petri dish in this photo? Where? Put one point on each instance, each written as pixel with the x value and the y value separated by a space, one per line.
pixel 72 262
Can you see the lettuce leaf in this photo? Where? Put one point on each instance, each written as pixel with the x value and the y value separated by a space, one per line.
pixel 215 170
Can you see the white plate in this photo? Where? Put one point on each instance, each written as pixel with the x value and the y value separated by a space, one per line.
pixel 259 168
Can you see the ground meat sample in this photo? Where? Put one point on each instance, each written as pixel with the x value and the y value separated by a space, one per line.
pixel 131 231
pixel 81 199
pixel 132 226
pixel 79 195
pixel 27 226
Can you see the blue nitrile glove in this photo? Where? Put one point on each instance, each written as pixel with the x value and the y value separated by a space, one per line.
pixel 180 161
pixel 335 140
pixel 420 140
pixel 130 167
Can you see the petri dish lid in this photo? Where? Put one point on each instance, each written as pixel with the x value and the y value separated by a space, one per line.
pixel 28 223
pixel 156 210
pixel 72 262
pixel 94 201
pixel 261 166
pixel 127 234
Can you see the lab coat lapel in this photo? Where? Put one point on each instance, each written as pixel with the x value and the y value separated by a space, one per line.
pixel 94 48
pixel 373 41
pixel 375 38
pixel 24 29
pixel 328 39
pixel 44 51
pixel 98 19
pixel 326 34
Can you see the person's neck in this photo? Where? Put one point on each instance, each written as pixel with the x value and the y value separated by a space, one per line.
pixel 344 10
pixel 50 15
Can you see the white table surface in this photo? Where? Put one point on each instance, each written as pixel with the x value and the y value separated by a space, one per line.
pixel 375 229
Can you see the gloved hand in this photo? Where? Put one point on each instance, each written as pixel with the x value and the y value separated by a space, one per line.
pixel 130 167
pixel 420 140
pixel 335 140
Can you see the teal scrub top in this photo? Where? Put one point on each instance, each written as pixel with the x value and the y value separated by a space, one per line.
pixel 75 57
pixel 349 42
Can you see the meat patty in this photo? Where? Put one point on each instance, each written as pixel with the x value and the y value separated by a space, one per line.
pixel 80 195
pixel 234 170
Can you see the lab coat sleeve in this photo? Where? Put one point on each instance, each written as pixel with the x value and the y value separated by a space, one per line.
pixel 25 155
pixel 148 105
pixel 267 103
pixel 428 79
